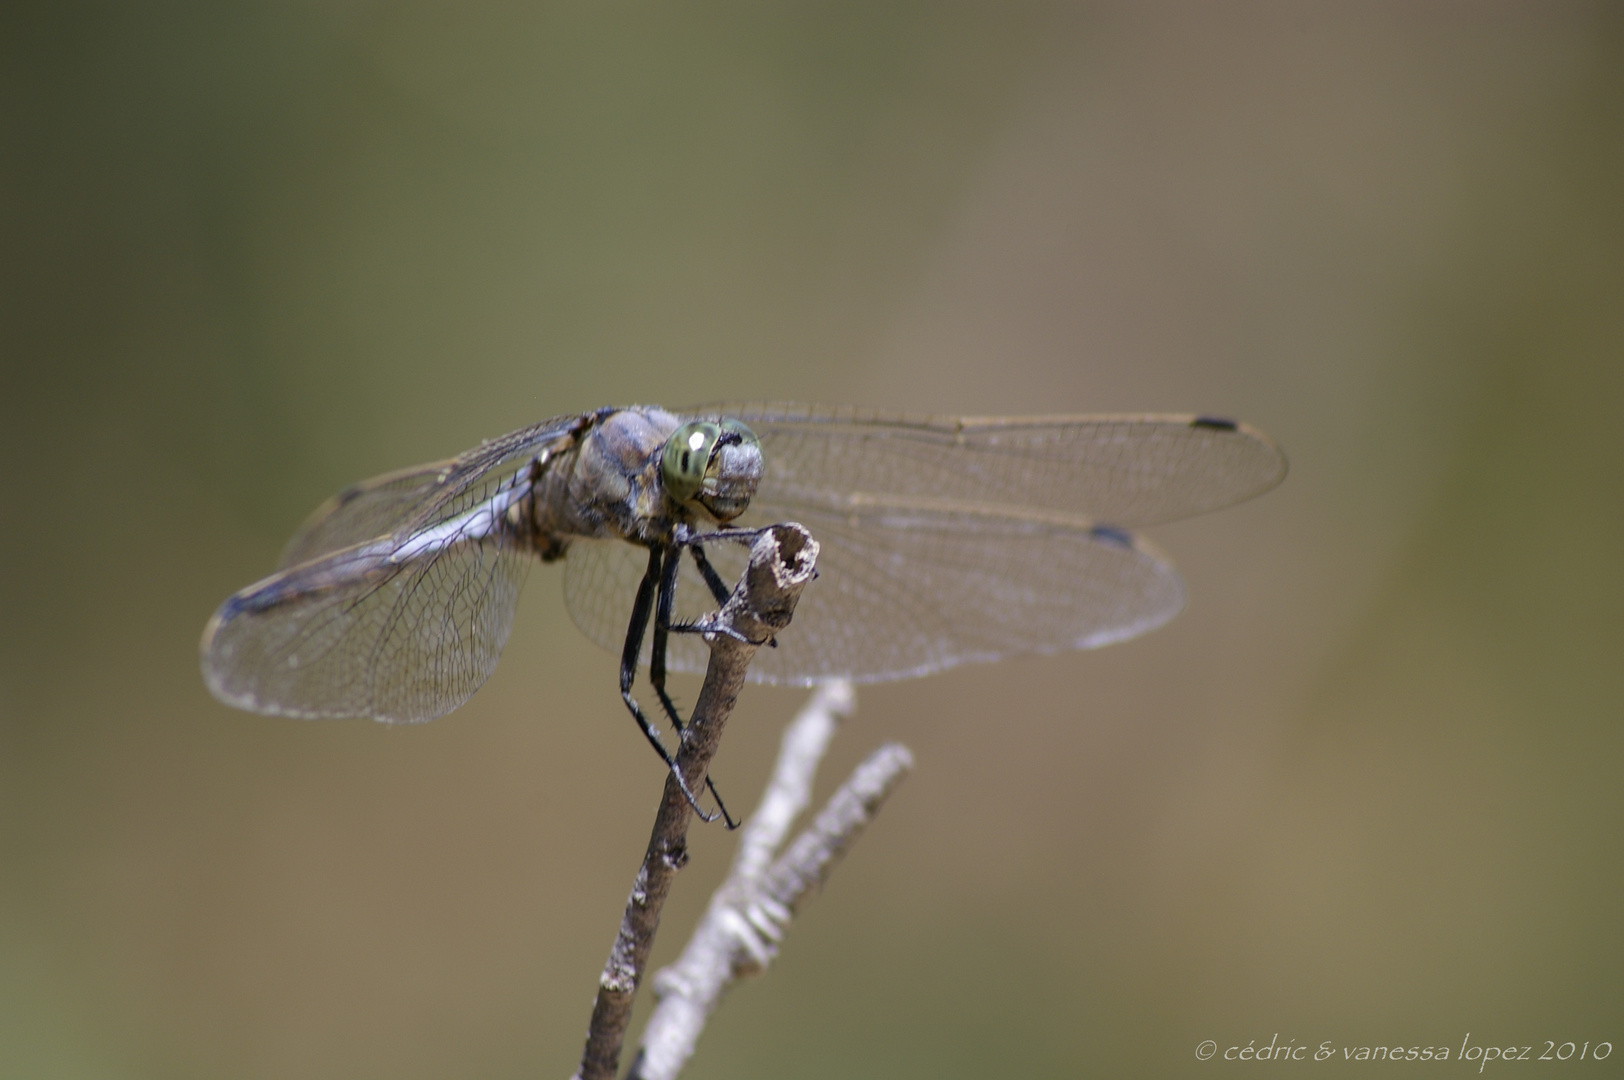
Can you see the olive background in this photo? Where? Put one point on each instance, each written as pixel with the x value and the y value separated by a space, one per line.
pixel 1365 791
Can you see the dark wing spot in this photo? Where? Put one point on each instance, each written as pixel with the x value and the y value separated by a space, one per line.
pixel 349 495
pixel 1110 534
pixel 1215 423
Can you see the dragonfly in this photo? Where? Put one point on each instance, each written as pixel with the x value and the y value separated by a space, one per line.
pixel 943 541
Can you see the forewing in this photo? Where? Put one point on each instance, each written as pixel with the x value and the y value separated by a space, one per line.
pixel 403 503
pixel 1126 471
pixel 900 594
pixel 949 540
pixel 356 633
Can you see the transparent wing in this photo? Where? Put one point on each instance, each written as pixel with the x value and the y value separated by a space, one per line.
pixel 1127 471
pixel 950 540
pixel 898 596
pixel 395 598
pixel 403 503
pixel 358 634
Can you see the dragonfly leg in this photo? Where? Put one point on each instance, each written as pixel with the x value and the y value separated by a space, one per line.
pixel 697 628
pixel 717 587
pixel 727 532
pixel 642 608
pixel 713 580
pixel 665 600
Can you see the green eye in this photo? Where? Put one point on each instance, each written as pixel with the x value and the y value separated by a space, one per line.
pixel 738 427
pixel 687 454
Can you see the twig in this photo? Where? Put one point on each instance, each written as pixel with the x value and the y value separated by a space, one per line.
pixel 800 752
pixel 781 563
pixel 751 911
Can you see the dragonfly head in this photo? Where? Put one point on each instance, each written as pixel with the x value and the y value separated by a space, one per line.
pixel 715 463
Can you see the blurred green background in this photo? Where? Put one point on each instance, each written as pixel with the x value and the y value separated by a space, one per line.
pixel 1366 790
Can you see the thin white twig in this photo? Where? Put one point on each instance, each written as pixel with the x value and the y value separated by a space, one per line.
pixel 750 913
pixel 801 750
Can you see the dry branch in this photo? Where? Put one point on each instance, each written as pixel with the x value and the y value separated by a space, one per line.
pixel 782 561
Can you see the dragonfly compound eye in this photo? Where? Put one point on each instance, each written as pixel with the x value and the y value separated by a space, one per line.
pixel 686 458
pixel 732 473
pixel 714 463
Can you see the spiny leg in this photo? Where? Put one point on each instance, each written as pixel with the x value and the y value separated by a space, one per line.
pixel 642 608
pixel 694 543
pixel 664 602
